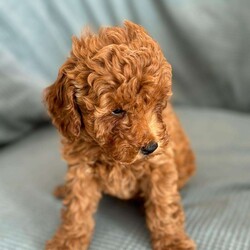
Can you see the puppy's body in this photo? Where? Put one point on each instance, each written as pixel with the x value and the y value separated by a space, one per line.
pixel 110 104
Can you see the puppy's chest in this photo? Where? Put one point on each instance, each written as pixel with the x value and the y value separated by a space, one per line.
pixel 120 181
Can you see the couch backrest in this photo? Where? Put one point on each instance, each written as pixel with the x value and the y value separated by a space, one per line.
pixel 206 41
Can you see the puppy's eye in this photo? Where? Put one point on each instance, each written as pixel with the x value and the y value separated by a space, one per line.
pixel 118 112
pixel 165 104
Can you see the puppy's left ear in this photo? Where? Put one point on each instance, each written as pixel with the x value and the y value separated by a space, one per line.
pixel 62 107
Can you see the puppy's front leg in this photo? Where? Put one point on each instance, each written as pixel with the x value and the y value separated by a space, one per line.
pixel 165 216
pixel 80 201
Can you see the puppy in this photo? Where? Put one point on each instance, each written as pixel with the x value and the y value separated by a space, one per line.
pixel 120 135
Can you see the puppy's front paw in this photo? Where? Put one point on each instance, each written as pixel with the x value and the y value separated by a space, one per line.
pixel 174 244
pixel 65 244
pixel 183 245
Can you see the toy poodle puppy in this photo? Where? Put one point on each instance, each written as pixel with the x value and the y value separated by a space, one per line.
pixel 120 136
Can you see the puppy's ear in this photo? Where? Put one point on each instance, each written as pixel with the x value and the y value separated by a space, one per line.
pixel 62 107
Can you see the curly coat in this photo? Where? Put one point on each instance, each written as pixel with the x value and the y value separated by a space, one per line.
pixel 111 100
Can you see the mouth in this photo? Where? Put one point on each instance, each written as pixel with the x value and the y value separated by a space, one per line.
pixel 131 156
pixel 139 158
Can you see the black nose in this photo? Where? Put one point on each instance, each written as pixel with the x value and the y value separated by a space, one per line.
pixel 150 148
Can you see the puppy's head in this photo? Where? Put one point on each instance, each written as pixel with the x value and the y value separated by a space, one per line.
pixel 112 91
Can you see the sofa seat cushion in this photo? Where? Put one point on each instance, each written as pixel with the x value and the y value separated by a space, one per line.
pixel 216 200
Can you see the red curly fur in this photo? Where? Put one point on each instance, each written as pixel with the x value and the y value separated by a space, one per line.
pixel 119 68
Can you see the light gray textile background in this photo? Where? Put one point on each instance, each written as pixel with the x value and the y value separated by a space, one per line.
pixel 206 41
pixel 216 200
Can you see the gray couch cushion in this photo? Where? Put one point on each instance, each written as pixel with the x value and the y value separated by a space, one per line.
pixel 21 106
pixel 216 200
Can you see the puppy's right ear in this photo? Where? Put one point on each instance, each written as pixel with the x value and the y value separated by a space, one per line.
pixel 61 103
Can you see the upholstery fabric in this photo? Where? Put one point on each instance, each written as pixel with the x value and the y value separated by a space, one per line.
pixel 216 200
pixel 206 41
